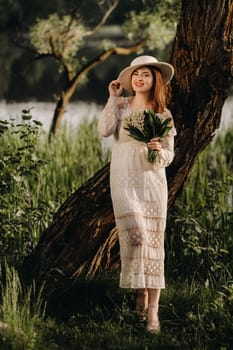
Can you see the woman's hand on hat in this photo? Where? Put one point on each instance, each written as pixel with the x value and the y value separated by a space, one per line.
pixel 154 145
pixel 115 88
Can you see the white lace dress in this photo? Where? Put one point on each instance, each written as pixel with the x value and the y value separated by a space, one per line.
pixel 139 197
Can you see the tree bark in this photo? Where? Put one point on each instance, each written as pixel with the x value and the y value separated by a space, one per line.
pixel 82 238
pixel 203 61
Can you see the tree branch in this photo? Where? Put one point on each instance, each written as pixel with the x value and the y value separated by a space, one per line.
pixel 104 19
pixel 101 58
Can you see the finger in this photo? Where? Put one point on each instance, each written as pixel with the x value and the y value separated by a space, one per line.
pixel 154 140
pixel 154 145
pixel 115 83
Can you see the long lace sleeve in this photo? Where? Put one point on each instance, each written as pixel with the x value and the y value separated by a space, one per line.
pixel 166 154
pixel 109 117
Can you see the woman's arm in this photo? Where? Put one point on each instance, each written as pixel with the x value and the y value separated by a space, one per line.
pixel 110 116
pixel 166 153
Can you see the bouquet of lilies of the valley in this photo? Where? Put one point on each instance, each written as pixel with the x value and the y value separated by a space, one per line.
pixel 146 125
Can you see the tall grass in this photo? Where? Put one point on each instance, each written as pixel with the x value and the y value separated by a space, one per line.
pixel 21 312
pixel 72 158
pixel 36 177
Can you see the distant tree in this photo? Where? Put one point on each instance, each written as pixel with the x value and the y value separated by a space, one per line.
pixel 82 238
pixel 63 37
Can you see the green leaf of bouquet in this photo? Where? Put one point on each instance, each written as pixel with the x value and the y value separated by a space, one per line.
pixel 165 128
pixel 148 131
pixel 148 125
pixel 135 133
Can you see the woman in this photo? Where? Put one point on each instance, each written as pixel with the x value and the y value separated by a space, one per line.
pixel 139 187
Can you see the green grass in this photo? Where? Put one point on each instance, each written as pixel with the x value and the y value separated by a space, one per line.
pixel 21 311
pixel 191 318
pixel 196 309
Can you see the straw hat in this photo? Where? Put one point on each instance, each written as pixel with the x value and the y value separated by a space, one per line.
pixel 166 70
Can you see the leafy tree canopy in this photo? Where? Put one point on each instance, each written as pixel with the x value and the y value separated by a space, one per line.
pixel 58 36
pixel 62 35
pixel 62 29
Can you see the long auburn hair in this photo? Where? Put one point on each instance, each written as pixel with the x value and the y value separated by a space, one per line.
pixel 160 91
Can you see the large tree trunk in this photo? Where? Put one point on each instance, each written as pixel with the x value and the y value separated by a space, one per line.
pixel 203 60
pixel 82 238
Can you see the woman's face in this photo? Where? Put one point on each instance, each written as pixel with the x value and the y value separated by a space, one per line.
pixel 142 80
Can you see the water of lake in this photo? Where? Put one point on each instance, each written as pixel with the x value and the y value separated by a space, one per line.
pixel 77 111
pixel 43 111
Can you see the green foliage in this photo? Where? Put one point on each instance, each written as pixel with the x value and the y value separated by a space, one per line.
pixel 21 312
pixel 199 234
pixel 61 31
pixel 20 169
pixel 60 36
pixel 36 179
pixel 157 24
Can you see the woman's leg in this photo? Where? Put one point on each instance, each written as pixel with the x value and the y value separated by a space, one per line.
pixel 153 308
pixel 141 301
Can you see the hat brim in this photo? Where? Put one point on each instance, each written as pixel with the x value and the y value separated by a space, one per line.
pixel 166 69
